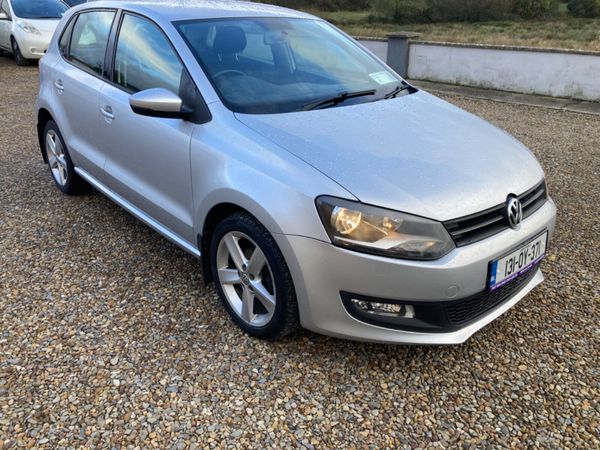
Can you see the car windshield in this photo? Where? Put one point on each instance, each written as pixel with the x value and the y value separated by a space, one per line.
pixel 277 65
pixel 39 9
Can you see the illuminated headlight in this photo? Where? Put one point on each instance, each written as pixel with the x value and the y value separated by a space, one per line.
pixel 383 232
pixel 27 27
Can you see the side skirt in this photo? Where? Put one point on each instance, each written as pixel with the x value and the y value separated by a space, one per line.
pixel 135 211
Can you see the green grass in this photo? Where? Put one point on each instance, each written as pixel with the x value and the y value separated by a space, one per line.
pixel 561 31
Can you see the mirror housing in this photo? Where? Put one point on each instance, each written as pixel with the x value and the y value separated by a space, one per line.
pixel 3 16
pixel 159 102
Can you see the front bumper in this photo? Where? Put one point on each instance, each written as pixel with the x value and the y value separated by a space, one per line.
pixel 321 272
pixel 34 46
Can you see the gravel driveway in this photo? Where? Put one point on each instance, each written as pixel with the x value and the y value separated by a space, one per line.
pixel 108 337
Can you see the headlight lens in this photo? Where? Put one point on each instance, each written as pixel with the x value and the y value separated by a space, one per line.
pixel 27 27
pixel 383 232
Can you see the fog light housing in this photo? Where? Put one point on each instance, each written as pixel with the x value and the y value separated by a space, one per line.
pixel 397 314
pixel 398 310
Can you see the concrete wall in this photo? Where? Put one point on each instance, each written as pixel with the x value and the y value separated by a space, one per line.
pixel 377 46
pixel 555 73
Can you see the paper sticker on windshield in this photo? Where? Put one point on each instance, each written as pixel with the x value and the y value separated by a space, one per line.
pixel 382 77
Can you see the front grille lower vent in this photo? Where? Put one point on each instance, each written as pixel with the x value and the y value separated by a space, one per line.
pixel 469 229
pixel 461 312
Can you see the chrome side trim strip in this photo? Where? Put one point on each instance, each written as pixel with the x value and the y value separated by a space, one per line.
pixel 127 206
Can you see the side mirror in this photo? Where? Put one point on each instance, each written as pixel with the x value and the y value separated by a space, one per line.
pixel 3 16
pixel 159 102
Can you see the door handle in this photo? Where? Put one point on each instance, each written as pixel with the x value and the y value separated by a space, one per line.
pixel 107 112
pixel 58 84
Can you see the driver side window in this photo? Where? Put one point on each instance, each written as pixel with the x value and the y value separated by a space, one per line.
pixel 144 58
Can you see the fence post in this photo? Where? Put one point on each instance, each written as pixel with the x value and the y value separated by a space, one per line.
pixel 397 51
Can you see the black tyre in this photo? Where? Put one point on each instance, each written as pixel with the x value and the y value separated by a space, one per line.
pixel 19 59
pixel 252 278
pixel 59 161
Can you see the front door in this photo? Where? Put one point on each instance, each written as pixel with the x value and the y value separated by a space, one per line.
pixel 148 158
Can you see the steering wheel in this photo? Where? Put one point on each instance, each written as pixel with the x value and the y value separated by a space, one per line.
pixel 228 72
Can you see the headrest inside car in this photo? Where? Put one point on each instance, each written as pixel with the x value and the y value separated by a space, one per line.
pixel 229 39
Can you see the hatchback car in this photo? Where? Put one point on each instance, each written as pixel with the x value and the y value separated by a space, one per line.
pixel 315 185
pixel 26 27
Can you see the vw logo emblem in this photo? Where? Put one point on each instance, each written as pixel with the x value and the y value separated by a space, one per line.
pixel 514 212
pixel 245 279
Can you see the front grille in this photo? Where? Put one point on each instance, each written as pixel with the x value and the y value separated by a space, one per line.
pixel 469 229
pixel 462 311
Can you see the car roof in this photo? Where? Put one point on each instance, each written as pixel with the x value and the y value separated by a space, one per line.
pixel 197 9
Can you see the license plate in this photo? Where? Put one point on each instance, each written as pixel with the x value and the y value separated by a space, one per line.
pixel 517 262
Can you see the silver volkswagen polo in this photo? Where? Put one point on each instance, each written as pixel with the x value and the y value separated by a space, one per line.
pixel 316 186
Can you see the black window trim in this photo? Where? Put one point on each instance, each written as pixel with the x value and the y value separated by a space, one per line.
pixel 68 28
pixel 114 42
pixel 66 57
pixel 111 54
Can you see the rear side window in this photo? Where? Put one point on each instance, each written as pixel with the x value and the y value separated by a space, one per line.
pixel 89 38
pixel 144 58
pixel 63 44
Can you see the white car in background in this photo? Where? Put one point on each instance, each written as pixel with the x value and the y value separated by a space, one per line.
pixel 26 27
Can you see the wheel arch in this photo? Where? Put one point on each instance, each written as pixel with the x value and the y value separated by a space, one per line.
pixel 221 204
pixel 281 210
pixel 214 216
pixel 43 117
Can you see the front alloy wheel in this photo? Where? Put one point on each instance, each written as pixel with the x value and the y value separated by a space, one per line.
pixel 252 278
pixel 246 278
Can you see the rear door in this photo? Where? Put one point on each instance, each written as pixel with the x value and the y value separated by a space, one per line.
pixel 77 80
pixel 148 158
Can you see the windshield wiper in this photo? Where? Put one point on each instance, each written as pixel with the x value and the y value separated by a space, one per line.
pixel 337 99
pixel 397 90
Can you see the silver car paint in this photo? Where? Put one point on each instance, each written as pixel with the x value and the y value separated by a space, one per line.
pixel 410 154
pixel 158 99
pixel 275 166
pixel 148 162
pixel 233 164
pixel 76 103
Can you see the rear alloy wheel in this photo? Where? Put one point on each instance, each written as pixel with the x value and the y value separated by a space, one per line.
pixel 252 278
pixel 19 59
pixel 60 162
pixel 56 158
